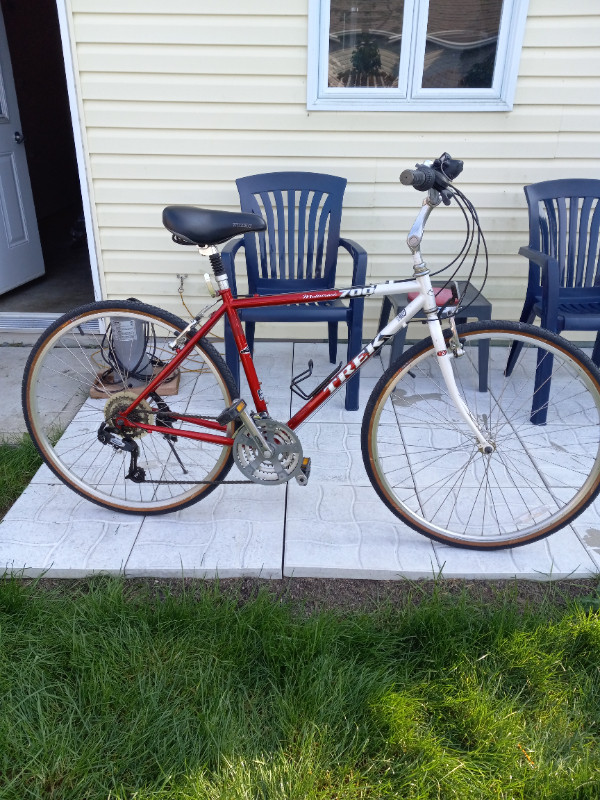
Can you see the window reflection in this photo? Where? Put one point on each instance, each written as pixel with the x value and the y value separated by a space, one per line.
pixel 364 43
pixel 460 49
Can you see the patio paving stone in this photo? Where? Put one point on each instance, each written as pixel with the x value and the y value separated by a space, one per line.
pixel 237 531
pixel 343 531
pixel 587 528
pixel 334 450
pixel 561 555
pixel 336 526
pixel 12 364
pixel 51 530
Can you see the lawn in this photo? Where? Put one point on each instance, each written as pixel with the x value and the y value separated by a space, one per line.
pixel 116 689
pixel 19 461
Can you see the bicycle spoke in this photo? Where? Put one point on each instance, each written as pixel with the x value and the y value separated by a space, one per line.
pixel 78 385
pixel 459 493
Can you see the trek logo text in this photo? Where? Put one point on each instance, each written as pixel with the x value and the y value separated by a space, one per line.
pixel 353 365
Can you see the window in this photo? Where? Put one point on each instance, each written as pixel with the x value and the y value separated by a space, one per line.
pixel 429 55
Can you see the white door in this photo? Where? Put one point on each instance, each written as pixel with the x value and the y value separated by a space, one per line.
pixel 21 257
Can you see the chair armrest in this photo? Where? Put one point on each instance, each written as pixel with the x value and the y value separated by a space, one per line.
pixel 548 264
pixel 545 272
pixel 536 256
pixel 359 257
pixel 228 258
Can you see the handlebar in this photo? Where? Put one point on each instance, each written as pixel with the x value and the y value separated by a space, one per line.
pixel 437 175
pixel 423 178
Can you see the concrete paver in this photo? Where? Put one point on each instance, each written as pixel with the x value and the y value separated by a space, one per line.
pixel 334 527
pixel 12 364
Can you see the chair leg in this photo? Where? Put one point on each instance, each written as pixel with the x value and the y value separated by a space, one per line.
pixel 250 328
pixel 483 358
pixel 333 335
pixel 596 351
pixel 231 354
pixel 398 345
pixel 541 389
pixel 353 383
pixel 528 316
pixel 543 377
pixel 483 355
pixel 384 314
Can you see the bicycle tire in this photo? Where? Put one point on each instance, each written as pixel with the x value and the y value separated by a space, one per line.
pixel 427 467
pixel 72 375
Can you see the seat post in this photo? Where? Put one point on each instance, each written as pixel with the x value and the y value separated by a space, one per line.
pixel 216 262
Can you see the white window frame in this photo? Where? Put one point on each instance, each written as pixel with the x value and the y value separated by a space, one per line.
pixel 409 96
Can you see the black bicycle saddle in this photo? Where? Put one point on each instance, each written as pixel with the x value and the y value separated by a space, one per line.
pixel 204 226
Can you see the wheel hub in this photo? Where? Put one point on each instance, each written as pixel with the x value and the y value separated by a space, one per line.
pixel 488 449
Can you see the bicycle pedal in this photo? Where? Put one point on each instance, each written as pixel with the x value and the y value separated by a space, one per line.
pixel 304 474
pixel 232 412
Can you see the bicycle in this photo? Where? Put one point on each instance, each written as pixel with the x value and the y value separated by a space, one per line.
pixel 135 409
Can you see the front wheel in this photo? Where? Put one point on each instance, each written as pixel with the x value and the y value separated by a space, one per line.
pixel 87 368
pixel 542 420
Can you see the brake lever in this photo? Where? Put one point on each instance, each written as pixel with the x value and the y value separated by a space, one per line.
pixel 446 196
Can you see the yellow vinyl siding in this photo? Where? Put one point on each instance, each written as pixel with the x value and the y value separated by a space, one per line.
pixel 180 99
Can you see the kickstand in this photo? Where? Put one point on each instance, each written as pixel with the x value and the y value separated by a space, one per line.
pixel 176 454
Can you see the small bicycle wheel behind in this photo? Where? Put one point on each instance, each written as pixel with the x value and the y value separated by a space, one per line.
pixel 428 468
pixel 86 368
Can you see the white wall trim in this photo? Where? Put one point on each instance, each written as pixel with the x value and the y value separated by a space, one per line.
pixel 78 133
pixel 409 96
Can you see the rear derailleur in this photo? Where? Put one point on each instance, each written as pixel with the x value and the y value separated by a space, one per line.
pixel 109 435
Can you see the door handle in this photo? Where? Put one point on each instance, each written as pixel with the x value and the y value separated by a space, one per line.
pixel 19 138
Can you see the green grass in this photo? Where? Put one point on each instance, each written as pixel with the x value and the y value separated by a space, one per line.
pixel 19 462
pixel 113 692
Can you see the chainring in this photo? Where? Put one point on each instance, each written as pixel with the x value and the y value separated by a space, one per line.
pixel 283 443
pixel 120 402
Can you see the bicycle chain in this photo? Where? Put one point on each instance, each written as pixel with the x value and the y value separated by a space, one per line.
pixel 195 483
pixel 191 483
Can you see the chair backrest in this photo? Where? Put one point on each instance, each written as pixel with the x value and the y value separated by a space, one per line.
pixel 303 212
pixel 564 222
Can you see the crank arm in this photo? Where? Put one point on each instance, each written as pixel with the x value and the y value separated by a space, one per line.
pixel 238 411
pixel 259 439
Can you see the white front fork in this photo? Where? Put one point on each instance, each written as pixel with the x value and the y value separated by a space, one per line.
pixel 445 363
pixel 415 236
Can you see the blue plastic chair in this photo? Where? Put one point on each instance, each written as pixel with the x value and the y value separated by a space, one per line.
pixel 298 252
pixel 563 289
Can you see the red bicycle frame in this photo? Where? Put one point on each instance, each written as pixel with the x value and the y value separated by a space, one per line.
pixel 230 308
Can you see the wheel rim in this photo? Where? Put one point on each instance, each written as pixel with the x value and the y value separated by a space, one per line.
pixel 432 472
pixel 64 419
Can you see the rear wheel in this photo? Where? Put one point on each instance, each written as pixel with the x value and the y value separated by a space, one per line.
pixel 428 468
pixel 89 366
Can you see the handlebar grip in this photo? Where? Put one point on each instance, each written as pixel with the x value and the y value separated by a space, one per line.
pixel 422 179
